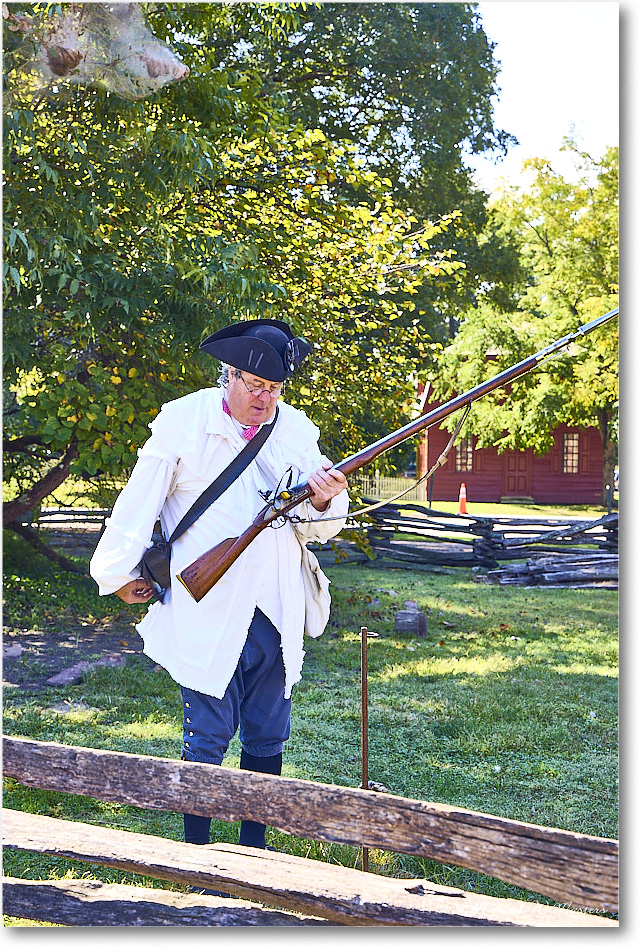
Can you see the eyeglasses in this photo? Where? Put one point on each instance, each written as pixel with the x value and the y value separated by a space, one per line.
pixel 272 391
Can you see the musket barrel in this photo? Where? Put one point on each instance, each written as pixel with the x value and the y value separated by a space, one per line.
pixel 213 564
pixel 570 337
pixel 353 462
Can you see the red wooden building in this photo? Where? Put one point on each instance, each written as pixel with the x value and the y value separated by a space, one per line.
pixel 570 473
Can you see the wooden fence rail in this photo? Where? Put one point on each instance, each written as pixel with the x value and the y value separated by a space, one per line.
pixel 85 903
pixel 61 515
pixel 579 870
pixel 382 486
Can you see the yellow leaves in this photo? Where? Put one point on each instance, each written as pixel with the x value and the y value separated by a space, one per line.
pixel 110 411
pixel 60 378
pixel 133 372
pixel 115 380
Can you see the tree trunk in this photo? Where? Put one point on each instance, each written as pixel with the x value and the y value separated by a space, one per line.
pixel 18 508
pixel 609 454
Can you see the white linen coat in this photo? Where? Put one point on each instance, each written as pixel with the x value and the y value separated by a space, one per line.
pixel 192 441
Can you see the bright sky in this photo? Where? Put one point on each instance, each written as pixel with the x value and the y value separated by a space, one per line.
pixel 559 68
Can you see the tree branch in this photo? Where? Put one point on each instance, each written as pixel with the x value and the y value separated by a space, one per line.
pixel 16 509
pixel 31 537
pixel 22 444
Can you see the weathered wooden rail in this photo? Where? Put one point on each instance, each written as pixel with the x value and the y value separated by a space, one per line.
pixel 423 538
pixel 580 871
pixel 65 516
pixel 560 570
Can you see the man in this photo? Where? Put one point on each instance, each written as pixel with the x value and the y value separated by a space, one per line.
pixel 237 653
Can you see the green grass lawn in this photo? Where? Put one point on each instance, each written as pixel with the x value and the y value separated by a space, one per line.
pixel 509 706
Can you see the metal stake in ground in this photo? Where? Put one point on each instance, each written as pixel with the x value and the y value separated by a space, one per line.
pixel 364 723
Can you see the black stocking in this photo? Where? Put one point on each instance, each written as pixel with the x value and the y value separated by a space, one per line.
pixel 197 829
pixel 253 832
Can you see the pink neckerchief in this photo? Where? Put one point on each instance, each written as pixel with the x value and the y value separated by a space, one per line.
pixel 248 431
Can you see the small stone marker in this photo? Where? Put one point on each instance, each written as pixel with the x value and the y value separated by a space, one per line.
pixel 12 652
pixel 411 620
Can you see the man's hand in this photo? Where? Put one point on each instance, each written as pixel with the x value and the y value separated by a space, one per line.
pixel 325 483
pixel 135 592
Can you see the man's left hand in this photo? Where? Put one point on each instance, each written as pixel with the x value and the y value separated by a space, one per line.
pixel 325 483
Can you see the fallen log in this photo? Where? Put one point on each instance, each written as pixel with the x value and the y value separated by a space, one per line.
pixel 336 893
pixel 576 579
pixel 539 565
pixel 589 566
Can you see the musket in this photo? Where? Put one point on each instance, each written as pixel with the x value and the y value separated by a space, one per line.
pixel 200 576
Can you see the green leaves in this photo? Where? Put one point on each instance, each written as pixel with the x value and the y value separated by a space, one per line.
pixel 567 234
pixel 133 229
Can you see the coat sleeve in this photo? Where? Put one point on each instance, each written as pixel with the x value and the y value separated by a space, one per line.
pixel 129 529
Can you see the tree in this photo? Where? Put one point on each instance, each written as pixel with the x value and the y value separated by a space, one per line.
pixel 412 86
pixel 134 227
pixel 567 232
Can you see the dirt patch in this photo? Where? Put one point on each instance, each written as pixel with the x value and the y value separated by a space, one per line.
pixel 31 657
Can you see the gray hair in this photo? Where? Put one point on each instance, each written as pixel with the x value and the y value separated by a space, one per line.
pixel 224 376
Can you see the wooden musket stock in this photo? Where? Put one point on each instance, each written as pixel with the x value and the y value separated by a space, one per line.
pixel 200 576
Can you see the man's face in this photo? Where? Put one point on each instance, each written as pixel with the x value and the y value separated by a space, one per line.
pixel 251 408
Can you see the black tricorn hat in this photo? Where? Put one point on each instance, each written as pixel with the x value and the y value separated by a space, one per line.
pixel 266 348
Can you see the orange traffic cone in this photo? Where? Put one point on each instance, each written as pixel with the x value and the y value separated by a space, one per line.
pixel 462 499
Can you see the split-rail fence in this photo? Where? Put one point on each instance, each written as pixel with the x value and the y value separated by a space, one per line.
pixel 277 889
pixel 549 551
pixel 542 551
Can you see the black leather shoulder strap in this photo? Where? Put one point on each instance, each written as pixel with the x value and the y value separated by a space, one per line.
pixel 223 481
